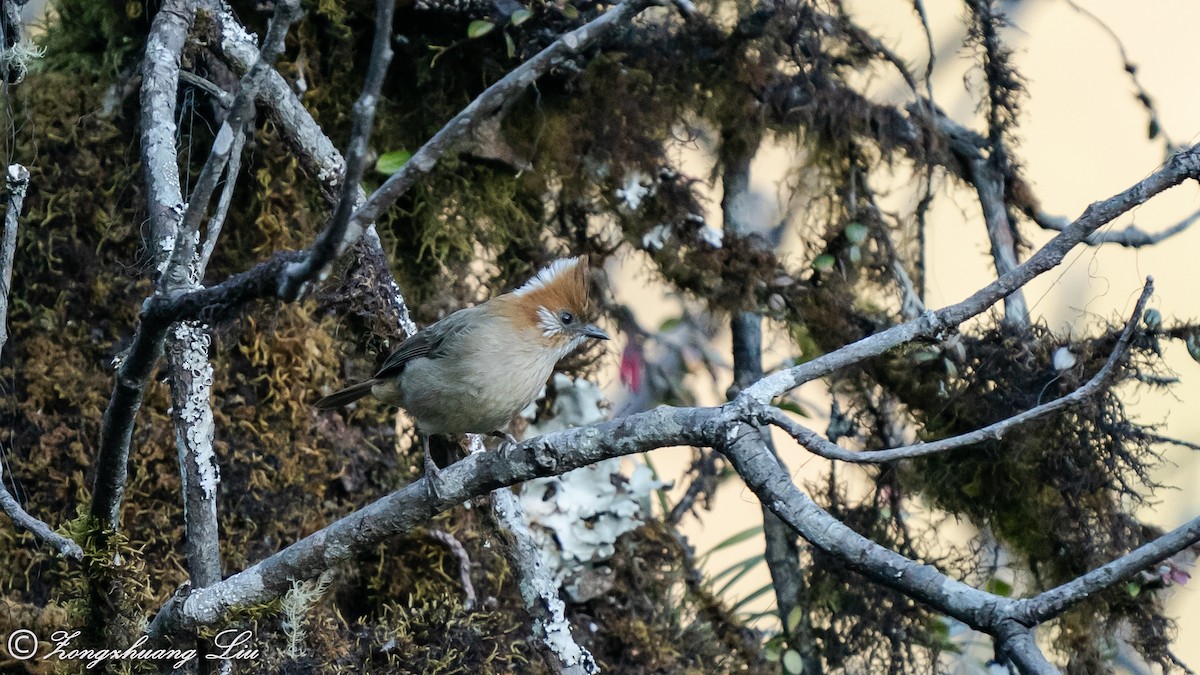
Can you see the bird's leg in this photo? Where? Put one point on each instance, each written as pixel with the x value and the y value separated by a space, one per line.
pixel 504 437
pixel 432 471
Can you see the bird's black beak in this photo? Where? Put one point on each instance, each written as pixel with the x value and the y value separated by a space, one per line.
pixel 590 330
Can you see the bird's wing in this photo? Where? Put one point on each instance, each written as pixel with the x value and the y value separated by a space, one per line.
pixel 429 342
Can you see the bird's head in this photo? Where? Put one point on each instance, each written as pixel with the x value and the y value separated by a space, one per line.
pixel 554 303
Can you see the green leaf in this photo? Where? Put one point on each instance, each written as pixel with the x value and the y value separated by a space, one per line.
pixel 510 45
pixel 824 262
pixel 520 16
pixel 771 653
pixel 746 565
pixel 792 407
pixel 856 233
pixel 855 255
pixel 1133 588
pixel 741 564
pixel 792 663
pixel 479 28
pixel 570 12
pixel 999 587
pixel 736 539
pixel 669 324
pixel 793 620
pixel 390 162
pixel 752 597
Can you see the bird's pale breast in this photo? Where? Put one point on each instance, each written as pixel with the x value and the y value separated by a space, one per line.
pixel 480 383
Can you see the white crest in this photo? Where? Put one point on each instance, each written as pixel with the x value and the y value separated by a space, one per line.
pixel 547 276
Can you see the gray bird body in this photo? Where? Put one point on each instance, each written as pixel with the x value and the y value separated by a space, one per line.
pixel 435 375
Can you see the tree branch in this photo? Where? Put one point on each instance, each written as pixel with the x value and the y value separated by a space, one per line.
pixel 936 324
pixel 781 551
pixel 1129 237
pixel 16 183
pixel 411 506
pixel 491 101
pixel 160 81
pixel 333 240
pixel 1099 382
pixel 1050 604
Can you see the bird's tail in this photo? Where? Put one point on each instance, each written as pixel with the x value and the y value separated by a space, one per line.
pixel 348 395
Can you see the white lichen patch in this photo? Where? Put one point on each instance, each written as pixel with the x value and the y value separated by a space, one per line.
pixel 576 518
pixel 712 236
pixel 194 419
pixel 636 188
pixel 657 237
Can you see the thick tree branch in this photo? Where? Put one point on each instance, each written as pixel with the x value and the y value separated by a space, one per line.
pixel 411 506
pixel 1016 642
pixel 160 81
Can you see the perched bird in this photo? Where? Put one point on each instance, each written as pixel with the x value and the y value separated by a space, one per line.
pixel 474 370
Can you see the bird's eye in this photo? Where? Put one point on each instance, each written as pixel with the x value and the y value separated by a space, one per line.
pixel 566 318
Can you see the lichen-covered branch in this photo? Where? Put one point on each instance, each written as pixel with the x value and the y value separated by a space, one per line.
pixel 539 590
pixel 411 506
pixel 160 81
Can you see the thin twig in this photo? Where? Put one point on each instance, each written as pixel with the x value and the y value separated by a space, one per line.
pixel 464 564
pixel 332 240
pixel 1129 237
pixel 213 231
pixel 16 184
pixel 179 268
pixel 1098 383
pixel 1052 603
pixel 1143 96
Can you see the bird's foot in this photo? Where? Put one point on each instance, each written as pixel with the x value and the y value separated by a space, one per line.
pixel 433 473
pixel 505 438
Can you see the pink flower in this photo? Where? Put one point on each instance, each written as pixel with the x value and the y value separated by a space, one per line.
pixel 633 364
